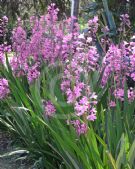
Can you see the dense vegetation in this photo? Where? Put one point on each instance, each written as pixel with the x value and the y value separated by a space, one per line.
pixel 67 88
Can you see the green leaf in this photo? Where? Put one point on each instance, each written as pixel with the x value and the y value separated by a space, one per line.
pixel 131 155
pixel 111 159
pixel 121 159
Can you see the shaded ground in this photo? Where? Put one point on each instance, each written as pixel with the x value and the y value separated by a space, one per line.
pixel 9 162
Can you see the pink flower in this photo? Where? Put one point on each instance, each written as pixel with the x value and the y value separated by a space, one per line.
pixel 1 57
pixel 78 89
pixel 3 49
pixel 92 58
pixel 112 104
pixel 82 107
pixel 65 85
pixel 133 76
pixel 93 96
pixel 125 20
pixel 4 88
pixel 131 94
pixel 49 108
pixel 105 30
pixel 93 25
pixel 33 73
pixel 91 117
pixel 81 128
pixel 70 96
pixel 119 94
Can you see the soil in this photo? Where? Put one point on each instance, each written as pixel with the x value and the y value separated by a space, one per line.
pixel 10 162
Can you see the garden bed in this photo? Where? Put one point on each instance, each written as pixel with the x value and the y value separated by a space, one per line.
pixel 10 161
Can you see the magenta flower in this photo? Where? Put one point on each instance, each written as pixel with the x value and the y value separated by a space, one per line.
pixel 91 117
pixel 65 85
pixel 70 96
pixel 81 128
pixel 1 57
pixel 82 106
pixel 78 89
pixel 131 94
pixel 125 20
pixel 119 94
pixel 49 109
pixel 5 19
pixel 93 24
pixel 133 76
pixel 4 88
pixel 112 104
pixel 33 73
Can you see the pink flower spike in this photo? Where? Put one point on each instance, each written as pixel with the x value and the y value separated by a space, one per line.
pixel 49 109
pixel 92 117
pixel 4 88
pixel 112 104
